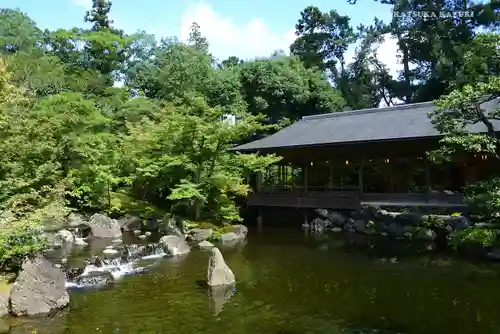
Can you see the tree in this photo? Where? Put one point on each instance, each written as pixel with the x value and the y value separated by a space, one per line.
pixel 18 33
pixel 281 87
pixel 183 158
pixel 464 107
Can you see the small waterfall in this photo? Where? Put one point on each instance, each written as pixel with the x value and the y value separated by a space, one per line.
pixel 101 270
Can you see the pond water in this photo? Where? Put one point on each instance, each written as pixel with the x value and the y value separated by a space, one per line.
pixel 291 283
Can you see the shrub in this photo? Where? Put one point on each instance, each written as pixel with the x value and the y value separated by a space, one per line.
pixel 17 242
pixel 474 236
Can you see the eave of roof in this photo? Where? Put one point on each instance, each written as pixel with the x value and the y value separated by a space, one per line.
pixel 403 122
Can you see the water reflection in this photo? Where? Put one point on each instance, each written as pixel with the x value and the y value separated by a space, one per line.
pixel 289 283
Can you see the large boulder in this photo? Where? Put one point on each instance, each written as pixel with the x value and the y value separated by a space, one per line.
pixel 174 245
pixel 201 234
pixel 318 225
pixel 240 230
pixel 229 237
pixel 219 273
pixel 424 233
pixel 66 236
pixel 39 288
pixel 104 227
pixel 129 223
pixel 359 226
pixel 75 219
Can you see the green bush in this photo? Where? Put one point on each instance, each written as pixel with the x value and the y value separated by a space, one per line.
pixel 18 242
pixel 474 236
pixel 483 199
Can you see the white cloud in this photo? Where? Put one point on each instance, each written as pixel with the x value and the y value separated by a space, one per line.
pixel 387 54
pixel 226 37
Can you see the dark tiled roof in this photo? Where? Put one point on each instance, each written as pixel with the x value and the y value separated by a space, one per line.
pixel 366 125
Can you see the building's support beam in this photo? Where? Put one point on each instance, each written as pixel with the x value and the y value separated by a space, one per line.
pixel 330 164
pixel 306 168
pixel 427 179
pixel 360 175
pixel 259 218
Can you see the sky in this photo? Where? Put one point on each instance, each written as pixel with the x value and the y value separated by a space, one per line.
pixel 246 29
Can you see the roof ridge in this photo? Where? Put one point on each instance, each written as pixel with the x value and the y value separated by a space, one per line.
pixel 368 110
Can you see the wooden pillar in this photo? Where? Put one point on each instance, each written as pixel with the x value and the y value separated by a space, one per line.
pixel 259 219
pixel 330 164
pixel 306 168
pixel 427 180
pixel 342 179
pixel 391 177
pixel 360 176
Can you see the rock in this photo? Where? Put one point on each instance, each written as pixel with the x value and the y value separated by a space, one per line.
pixel 424 233
pixel 318 225
pixel 359 226
pixel 323 213
pixel 395 230
pixel 174 245
pixel 75 220
pixel 142 237
pixel 494 254
pixel 336 219
pixel 411 219
pixel 240 230
pixel 151 224
pixel 147 233
pixel 336 230
pixel 349 227
pixel 39 288
pixel 53 240
pixel 205 244
pixel 460 223
pixel 117 241
pixel 129 223
pixel 218 272
pixel 137 232
pixel 229 236
pixel 66 236
pixel 110 251
pixel 104 227
pixel 80 242
pixel 200 234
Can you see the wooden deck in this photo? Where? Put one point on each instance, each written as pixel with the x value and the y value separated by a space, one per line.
pixel 352 200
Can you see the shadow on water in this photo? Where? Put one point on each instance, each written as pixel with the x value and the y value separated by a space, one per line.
pixel 291 282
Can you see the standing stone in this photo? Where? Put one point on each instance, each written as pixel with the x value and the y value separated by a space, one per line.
pixel 174 245
pixel 39 288
pixel 218 271
pixel 104 227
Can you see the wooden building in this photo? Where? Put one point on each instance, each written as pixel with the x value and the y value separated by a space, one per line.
pixel 371 156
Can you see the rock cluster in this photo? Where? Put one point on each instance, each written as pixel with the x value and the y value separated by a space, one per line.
pixel 375 221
